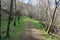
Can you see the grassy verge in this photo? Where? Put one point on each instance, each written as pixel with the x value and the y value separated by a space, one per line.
pixel 15 31
pixel 43 33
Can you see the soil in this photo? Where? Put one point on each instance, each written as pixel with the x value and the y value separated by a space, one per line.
pixel 30 32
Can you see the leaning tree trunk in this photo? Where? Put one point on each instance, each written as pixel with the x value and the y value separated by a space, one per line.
pixel 46 20
pixel 0 19
pixel 52 20
pixel 9 19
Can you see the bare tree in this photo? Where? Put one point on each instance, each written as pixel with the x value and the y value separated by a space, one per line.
pixel 9 19
pixel 52 20
pixel 47 10
pixel 30 12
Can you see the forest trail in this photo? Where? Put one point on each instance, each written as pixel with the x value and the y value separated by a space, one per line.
pixel 30 32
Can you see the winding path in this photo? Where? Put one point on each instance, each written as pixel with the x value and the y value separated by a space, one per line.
pixel 30 33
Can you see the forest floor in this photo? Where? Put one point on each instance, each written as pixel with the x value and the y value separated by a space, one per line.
pixel 27 29
pixel 30 32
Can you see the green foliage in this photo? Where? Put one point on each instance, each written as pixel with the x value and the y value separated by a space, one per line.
pixel 15 32
pixel 44 35
pixel 38 26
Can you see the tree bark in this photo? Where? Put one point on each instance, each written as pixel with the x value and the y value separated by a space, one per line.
pixel 15 15
pixel 52 20
pixel 46 19
pixel 0 19
pixel 9 19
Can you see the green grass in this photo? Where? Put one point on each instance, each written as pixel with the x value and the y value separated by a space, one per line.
pixel 15 32
pixel 40 28
pixel 43 33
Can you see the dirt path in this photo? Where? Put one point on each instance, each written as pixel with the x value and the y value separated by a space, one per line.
pixel 30 33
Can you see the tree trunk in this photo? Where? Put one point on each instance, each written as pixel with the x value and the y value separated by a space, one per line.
pixel 9 19
pixel 46 20
pixel 52 20
pixel 0 19
pixel 15 21
pixel 19 16
pixel 15 15
pixel 19 19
